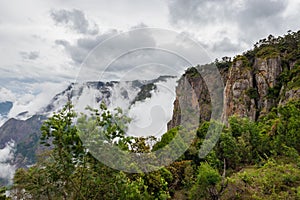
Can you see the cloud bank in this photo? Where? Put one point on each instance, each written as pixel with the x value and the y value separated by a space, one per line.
pixel 232 26
pixel 7 170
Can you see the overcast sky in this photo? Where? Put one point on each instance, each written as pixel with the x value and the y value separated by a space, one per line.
pixel 43 43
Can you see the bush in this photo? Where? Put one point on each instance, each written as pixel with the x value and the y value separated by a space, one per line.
pixel 252 93
pixel 268 52
pixel 206 184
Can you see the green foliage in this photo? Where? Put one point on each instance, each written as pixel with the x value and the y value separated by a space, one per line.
pixel 103 126
pixel 225 63
pixel 287 46
pixel 132 189
pixel 282 128
pixel 202 130
pixel 268 52
pixel 229 149
pixel 157 184
pixel 69 171
pixel 252 93
pixel 244 59
pixel 272 181
pixel 192 72
pixel 273 92
pixel 166 139
pixel 63 134
pixel 294 82
pixel 206 183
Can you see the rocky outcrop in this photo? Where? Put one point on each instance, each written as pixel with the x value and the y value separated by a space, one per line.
pixel 237 100
pixel 267 72
pixel 290 95
pixel 251 90
pixel 247 91
pixel 192 93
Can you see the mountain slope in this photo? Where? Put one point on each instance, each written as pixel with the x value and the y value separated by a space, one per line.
pixel 22 133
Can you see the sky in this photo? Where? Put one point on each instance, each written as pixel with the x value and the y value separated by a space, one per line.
pixel 45 43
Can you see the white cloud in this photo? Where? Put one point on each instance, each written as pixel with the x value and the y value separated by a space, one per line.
pixel 39 96
pixel 7 170
pixel 150 117
pixel 6 95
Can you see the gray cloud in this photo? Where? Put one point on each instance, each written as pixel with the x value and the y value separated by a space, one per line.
pixel 32 55
pixel 76 20
pixel 226 45
pixel 260 18
pixel 146 53
pixel 77 54
pixel 84 45
pixel 256 9
pixel 197 11
pixel 244 20
pixel 203 12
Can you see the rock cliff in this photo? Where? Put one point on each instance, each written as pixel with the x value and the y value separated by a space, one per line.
pixel 254 82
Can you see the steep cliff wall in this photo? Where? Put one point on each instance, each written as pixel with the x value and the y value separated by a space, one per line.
pixel 191 82
pixel 192 91
pixel 248 88
pixel 236 93
pixel 254 82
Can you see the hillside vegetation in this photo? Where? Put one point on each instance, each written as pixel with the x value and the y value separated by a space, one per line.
pixel 256 156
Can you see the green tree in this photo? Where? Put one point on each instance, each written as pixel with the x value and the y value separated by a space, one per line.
pixel 206 186
pixel 67 171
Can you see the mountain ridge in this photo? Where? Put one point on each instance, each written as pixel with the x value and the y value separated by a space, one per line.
pixel 25 133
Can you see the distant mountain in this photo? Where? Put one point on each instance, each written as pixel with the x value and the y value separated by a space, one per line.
pixel 22 133
pixel 26 133
pixel 113 93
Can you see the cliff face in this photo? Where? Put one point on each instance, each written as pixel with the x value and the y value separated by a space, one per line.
pixel 236 98
pixel 266 76
pixel 247 88
pixel 251 88
pixel 193 93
